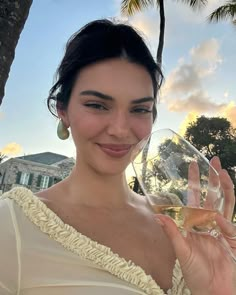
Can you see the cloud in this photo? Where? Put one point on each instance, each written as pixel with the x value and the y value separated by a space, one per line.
pixel 198 101
pixel 11 149
pixel 206 57
pixel 182 79
pixel 226 110
pixel 229 112
pixel 190 118
pixel 183 89
pixel 206 51
pixel 187 76
pixel 226 94
pixel 2 115
pixel 147 23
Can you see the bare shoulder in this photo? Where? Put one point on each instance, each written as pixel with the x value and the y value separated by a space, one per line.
pixel 51 194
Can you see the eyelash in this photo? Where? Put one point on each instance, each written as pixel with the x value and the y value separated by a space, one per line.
pixel 141 111
pixel 96 106
pixel 100 107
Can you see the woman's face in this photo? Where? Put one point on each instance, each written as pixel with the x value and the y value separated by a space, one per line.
pixel 109 112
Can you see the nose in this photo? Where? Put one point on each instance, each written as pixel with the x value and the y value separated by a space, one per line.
pixel 118 125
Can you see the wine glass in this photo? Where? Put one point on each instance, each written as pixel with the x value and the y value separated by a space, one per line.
pixel 179 181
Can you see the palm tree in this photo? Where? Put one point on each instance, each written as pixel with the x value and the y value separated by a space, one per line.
pixel 13 15
pixel 130 7
pixel 2 157
pixel 227 11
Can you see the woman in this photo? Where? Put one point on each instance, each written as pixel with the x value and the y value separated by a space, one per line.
pixel 90 234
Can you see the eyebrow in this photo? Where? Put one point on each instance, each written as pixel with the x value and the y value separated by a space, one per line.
pixel 110 98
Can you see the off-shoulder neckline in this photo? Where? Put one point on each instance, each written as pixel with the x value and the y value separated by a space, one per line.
pixel 86 248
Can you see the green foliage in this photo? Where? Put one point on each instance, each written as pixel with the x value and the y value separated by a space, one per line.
pixel 130 7
pixel 224 12
pixel 2 157
pixel 215 137
pixel 135 186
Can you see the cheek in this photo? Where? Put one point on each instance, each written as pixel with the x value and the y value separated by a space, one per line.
pixel 85 126
pixel 142 129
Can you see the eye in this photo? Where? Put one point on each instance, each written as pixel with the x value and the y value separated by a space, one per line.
pixel 95 105
pixel 141 110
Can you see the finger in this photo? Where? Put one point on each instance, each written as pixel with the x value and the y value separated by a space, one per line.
pixel 228 190
pixel 214 180
pixel 178 242
pixel 193 185
pixel 227 228
pixel 215 162
pixel 213 184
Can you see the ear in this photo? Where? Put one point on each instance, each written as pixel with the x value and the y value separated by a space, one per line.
pixel 62 114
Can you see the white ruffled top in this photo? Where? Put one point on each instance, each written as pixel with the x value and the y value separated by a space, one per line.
pixel 40 254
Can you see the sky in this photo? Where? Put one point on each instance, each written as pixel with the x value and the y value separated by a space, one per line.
pixel 198 64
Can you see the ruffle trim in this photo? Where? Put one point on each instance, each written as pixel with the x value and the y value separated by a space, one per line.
pixel 49 223
pixel 179 286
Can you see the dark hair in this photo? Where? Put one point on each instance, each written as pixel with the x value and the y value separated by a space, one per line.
pixel 100 40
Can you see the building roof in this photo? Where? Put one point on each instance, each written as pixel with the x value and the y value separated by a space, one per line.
pixel 47 158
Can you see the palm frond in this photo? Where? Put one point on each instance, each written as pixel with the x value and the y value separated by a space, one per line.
pixel 224 12
pixel 195 4
pixel 130 7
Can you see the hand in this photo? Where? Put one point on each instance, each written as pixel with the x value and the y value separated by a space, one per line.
pixel 227 187
pixel 206 265
pixel 228 230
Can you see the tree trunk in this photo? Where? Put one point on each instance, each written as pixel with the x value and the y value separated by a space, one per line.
pixel 13 14
pixel 159 61
pixel 162 32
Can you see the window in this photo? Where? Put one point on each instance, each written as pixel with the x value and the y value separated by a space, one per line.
pixel 44 183
pixel 24 179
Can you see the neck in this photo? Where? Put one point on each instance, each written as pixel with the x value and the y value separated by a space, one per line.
pixel 86 187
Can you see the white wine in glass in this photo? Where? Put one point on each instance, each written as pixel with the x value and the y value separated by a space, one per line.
pixel 179 181
pixel 189 218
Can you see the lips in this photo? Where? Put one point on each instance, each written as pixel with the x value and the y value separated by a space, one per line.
pixel 116 147
pixel 115 150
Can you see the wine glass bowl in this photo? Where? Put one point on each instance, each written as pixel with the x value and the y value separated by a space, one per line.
pixel 178 181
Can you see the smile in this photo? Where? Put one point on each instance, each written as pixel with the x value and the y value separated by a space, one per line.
pixel 115 150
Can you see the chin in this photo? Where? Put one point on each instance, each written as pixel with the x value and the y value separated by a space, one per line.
pixel 110 170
